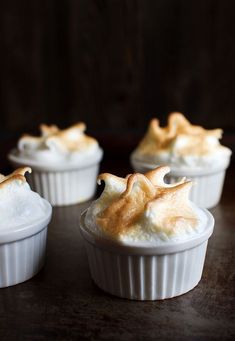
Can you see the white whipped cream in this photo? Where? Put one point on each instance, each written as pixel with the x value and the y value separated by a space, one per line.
pixel 151 225
pixel 19 205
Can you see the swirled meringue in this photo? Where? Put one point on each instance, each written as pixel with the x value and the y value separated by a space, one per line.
pixel 55 145
pixel 143 208
pixel 181 144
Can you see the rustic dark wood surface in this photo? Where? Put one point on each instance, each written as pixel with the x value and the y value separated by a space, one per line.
pixel 62 303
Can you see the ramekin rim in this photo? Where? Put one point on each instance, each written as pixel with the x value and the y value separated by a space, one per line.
pixel 27 230
pixel 55 167
pixel 181 171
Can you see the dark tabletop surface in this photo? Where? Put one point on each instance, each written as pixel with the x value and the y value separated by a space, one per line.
pixel 62 302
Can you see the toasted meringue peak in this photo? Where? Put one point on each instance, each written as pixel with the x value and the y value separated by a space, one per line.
pixel 72 139
pixel 48 130
pixel 180 137
pixel 16 176
pixel 142 207
pixel 156 176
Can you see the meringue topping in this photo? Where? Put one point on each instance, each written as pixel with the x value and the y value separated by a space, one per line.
pixel 143 207
pixel 72 139
pixel 18 204
pixel 179 141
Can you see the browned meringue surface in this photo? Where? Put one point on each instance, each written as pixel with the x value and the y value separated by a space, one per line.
pixel 70 139
pixel 143 207
pixel 160 139
pixel 182 145
pixel 17 175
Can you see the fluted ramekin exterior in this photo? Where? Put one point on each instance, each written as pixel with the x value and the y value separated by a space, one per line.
pixel 63 188
pixel 23 248
pixel 64 183
pixel 206 190
pixel 146 277
pixel 153 273
pixel 22 259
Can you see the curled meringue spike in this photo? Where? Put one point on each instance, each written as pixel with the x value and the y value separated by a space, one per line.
pixel 156 176
pixel 74 130
pixel 110 179
pixel 154 125
pixel 112 184
pixel 177 118
pixel 180 191
pixel 155 131
pixel 48 130
pixel 140 181
pixel 22 170
pixel 216 133
pixel 17 175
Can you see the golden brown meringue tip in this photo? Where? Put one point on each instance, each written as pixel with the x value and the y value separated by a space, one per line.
pixel 177 118
pixel 156 176
pixel 155 131
pixel 47 130
pixel 161 139
pixel 178 123
pixel 17 175
pixel 79 127
pixel 52 130
pixel 109 178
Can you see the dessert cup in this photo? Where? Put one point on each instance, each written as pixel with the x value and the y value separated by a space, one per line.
pixel 62 183
pixel 208 182
pixel 22 250
pixel 146 272
pixel 191 151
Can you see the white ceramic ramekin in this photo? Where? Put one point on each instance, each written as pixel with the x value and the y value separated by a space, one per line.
pixel 208 183
pixel 63 184
pixel 146 273
pixel 22 250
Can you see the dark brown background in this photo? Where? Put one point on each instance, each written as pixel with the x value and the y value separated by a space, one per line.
pixel 114 64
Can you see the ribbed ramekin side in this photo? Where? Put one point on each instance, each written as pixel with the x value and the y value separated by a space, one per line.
pixel 22 259
pixel 65 187
pixel 146 277
pixel 206 190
